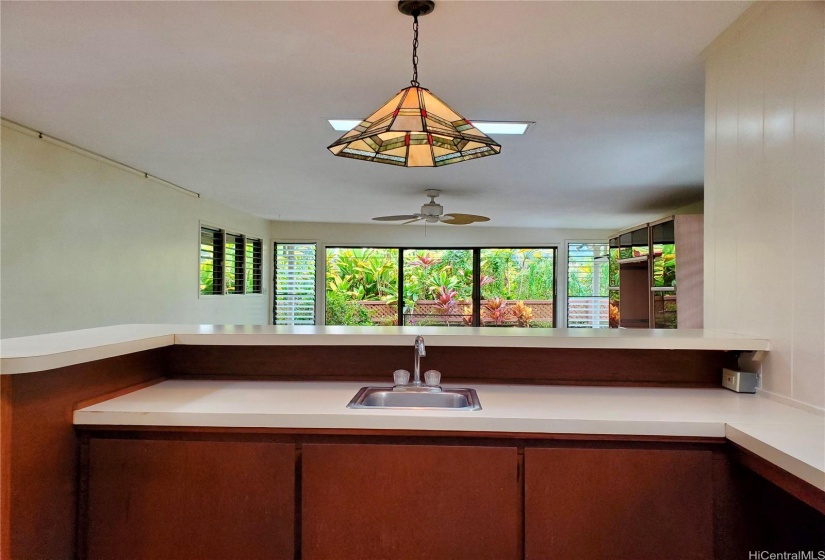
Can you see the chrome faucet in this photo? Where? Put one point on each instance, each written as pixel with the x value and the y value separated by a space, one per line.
pixel 420 351
pixel 432 377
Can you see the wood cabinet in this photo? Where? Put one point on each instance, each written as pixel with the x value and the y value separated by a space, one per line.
pixel 648 289
pixel 410 501
pixel 157 499
pixel 618 503
pixel 265 493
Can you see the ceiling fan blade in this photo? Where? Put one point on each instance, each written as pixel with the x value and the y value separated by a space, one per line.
pixel 394 218
pixel 412 221
pixel 463 219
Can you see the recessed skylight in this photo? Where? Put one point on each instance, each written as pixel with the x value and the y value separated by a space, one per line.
pixel 495 127
pixel 344 124
pixel 487 127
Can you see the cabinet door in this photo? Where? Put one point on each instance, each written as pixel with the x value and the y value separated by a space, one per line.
pixel 410 502
pixel 618 503
pixel 153 499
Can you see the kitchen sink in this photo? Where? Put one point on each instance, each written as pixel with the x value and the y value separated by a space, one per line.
pixel 385 397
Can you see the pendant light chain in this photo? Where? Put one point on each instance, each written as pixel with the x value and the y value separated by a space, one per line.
pixel 414 80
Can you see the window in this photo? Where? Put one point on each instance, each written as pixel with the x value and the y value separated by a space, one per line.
pixel 211 269
pixel 253 266
pixel 438 287
pixel 294 284
pixel 587 283
pixel 362 286
pixel 229 263
pixel 234 258
pixel 518 287
pixel 457 287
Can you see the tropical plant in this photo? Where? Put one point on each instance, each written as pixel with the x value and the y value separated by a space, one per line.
pixel 446 302
pixel 495 311
pixel 359 275
pixel 454 281
pixel 614 267
pixel 365 274
pixel 613 315
pixel 522 313
pixel 664 266
pixel 426 272
pixel 424 260
pixel 467 315
pixel 517 274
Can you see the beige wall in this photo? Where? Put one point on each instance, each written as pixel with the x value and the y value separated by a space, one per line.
pixel 440 235
pixel 88 244
pixel 765 192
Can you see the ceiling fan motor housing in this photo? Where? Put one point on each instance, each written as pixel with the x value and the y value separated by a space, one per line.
pixel 432 209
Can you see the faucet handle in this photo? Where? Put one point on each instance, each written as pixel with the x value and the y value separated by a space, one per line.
pixel 432 377
pixel 401 377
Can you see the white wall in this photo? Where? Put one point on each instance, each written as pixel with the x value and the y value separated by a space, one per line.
pixel 435 236
pixel 765 191
pixel 87 244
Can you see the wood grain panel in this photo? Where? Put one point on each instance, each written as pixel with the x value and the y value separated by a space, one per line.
pixel 381 435
pixel 562 366
pixel 690 270
pixel 618 503
pixel 730 529
pixel 39 453
pixel 151 499
pixel 5 464
pixel 410 502
pixel 634 302
pixel 754 513
pixel 795 486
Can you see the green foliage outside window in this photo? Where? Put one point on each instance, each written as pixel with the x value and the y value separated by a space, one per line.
pixel 517 274
pixel 442 277
pixel 664 266
pixel 206 277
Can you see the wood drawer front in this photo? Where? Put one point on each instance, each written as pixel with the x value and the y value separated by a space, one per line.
pixel 157 499
pixel 618 503
pixel 410 502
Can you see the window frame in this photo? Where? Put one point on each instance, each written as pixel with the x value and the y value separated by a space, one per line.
pixel 572 242
pixel 257 267
pixel 476 273
pixel 224 271
pixel 217 247
pixel 274 303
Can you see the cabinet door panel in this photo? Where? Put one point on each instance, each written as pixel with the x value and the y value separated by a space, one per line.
pixel 410 502
pixel 152 499
pixel 618 503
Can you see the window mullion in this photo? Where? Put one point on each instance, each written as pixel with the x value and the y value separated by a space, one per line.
pixel 476 287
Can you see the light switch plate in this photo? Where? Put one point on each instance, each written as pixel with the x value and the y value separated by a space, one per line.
pixel 739 381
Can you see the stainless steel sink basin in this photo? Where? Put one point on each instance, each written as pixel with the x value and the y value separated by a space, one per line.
pixel 385 397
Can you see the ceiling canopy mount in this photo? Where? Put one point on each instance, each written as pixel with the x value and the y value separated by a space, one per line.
pixel 416 7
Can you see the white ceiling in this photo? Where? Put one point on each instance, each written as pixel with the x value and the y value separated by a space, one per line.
pixel 229 99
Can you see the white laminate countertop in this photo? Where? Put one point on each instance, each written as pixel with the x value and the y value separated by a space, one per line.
pixel 49 351
pixel 791 438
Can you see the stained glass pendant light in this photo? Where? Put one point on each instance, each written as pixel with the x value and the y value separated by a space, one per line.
pixel 415 128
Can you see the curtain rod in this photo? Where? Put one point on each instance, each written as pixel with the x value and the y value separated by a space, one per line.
pixel 92 155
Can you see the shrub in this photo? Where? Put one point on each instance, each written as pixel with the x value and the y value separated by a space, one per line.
pixel 341 311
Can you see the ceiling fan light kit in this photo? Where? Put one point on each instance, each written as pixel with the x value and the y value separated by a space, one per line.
pixel 415 128
pixel 432 213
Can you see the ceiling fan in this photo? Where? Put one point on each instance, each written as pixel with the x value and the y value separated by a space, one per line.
pixel 432 213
